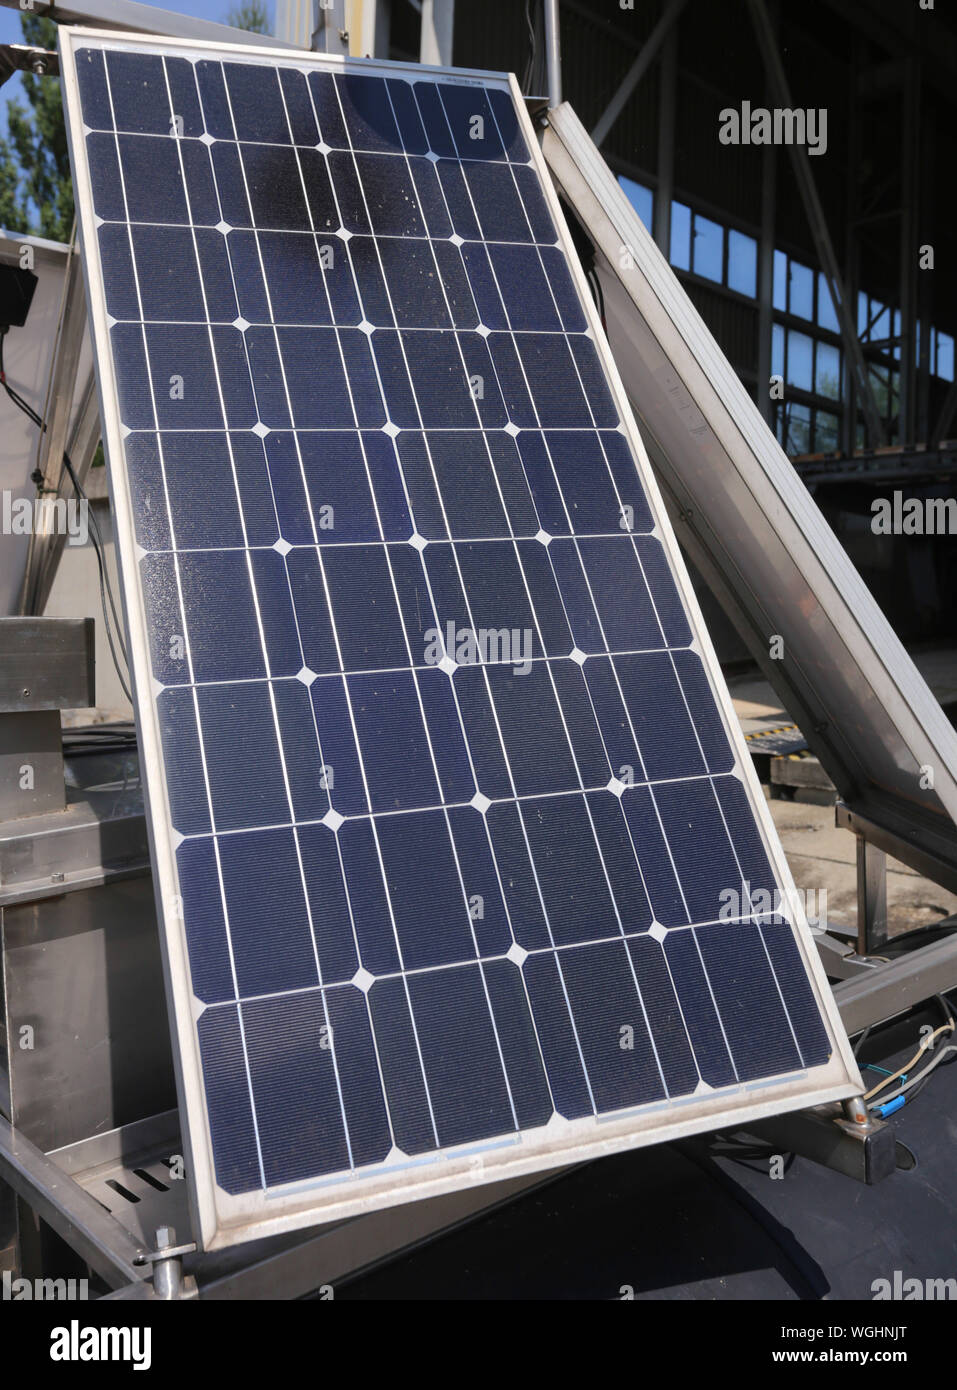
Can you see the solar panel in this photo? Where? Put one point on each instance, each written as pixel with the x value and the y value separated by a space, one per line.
pixel 461 866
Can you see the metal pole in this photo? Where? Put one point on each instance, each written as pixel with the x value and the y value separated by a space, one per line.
pixel 330 34
pixel 553 54
pixel 438 26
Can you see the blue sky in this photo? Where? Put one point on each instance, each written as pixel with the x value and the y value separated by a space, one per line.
pixel 10 32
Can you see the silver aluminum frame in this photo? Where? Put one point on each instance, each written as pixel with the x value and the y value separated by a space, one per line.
pixel 223 1219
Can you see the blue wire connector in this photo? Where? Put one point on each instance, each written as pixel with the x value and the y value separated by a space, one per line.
pixel 888 1109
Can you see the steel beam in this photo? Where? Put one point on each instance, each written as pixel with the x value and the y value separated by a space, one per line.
pixel 649 52
pixel 801 164
pixel 905 835
pixel 895 986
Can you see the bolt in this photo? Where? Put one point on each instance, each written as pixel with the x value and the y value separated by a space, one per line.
pixel 56 878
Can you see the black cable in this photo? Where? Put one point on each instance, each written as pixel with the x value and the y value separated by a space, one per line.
pixel 97 540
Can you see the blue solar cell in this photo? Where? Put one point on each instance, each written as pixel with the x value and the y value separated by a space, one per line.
pixel 292 1056
pixel 456 807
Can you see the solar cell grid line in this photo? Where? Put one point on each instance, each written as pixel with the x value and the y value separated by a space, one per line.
pixel 349 1033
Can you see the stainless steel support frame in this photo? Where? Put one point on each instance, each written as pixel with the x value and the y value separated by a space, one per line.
pixel 871 897
pixel 76 1216
pixel 77 439
pixel 57 409
pixel 865 1152
pixel 893 987
pixel 72 1188
pixel 909 840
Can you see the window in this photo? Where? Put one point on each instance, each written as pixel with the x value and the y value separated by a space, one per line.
pixel 861 314
pixel 780 297
pixel 803 429
pixel 800 363
pixel 945 357
pixel 826 432
pixel 801 291
pixel 827 371
pixel 680 236
pixel 826 315
pixel 708 239
pixel 713 251
pixel 641 198
pixel 742 263
pixel 797 438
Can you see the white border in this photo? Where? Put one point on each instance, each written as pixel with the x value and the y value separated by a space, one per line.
pixel 224 1219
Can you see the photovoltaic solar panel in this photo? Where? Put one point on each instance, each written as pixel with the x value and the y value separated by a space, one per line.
pixel 461 868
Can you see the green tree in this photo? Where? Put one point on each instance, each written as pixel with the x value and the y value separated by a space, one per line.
pixel 251 15
pixel 36 192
